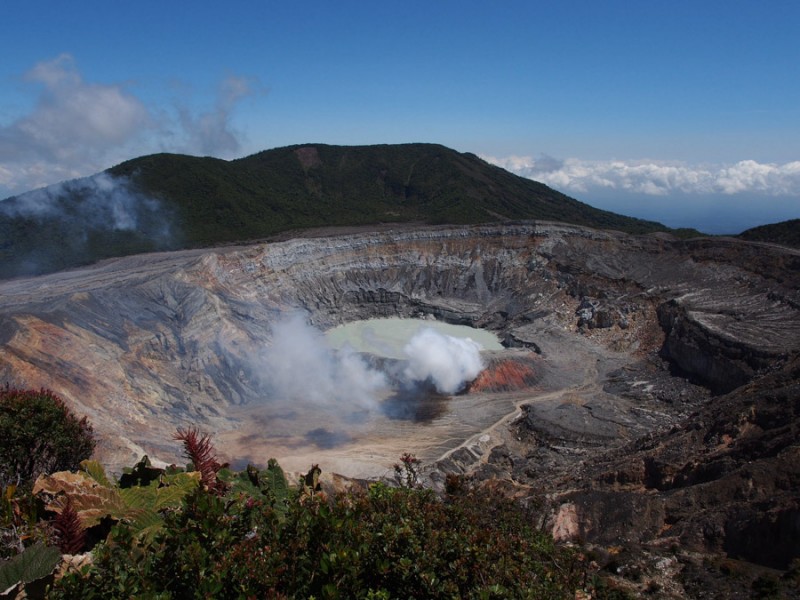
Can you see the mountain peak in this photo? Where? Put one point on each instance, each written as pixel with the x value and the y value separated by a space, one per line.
pixel 172 201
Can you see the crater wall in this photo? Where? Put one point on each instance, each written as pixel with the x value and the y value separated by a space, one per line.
pixel 147 343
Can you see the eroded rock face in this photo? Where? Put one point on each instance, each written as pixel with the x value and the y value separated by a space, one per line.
pixel 148 343
pixel 724 480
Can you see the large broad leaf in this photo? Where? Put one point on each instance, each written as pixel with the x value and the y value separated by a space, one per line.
pixel 274 480
pixel 90 499
pixel 34 563
pixel 138 505
pixel 138 498
pixel 146 524
pixel 174 489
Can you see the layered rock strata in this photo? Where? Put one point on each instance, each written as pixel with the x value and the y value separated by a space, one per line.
pixel 147 343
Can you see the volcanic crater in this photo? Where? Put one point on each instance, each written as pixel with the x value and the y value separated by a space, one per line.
pixel 609 339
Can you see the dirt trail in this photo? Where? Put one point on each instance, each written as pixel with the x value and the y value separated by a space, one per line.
pixel 568 358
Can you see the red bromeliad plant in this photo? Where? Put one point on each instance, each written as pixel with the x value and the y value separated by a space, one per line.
pixel 198 449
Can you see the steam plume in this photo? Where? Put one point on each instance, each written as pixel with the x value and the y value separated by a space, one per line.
pixel 101 201
pixel 448 362
pixel 301 366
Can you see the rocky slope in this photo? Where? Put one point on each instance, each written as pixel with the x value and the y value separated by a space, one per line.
pixel 661 374
pixel 726 479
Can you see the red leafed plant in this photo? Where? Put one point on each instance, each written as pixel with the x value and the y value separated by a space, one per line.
pixel 406 473
pixel 70 530
pixel 198 449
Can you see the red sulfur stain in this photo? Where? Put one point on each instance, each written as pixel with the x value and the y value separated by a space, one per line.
pixel 505 376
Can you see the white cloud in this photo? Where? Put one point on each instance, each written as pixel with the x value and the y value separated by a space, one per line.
pixel 78 128
pixel 656 178
pixel 72 119
pixel 211 133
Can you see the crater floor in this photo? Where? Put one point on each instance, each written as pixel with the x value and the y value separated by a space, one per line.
pixel 145 344
pixel 569 370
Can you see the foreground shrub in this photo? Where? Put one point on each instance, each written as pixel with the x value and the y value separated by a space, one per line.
pixel 39 435
pixel 377 543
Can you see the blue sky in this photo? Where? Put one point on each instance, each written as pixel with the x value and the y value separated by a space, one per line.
pixel 684 112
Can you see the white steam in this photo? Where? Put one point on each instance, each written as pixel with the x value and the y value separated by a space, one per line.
pixel 448 362
pixel 87 218
pixel 301 366
pixel 210 133
pixel 101 201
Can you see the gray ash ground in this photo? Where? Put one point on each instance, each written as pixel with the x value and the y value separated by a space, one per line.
pixel 561 434
pixel 651 382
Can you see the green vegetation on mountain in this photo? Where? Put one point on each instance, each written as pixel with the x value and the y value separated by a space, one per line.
pixel 320 185
pixel 168 201
pixel 786 233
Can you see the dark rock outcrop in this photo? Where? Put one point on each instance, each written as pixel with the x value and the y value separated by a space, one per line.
pixel 698 345
pixel 725 480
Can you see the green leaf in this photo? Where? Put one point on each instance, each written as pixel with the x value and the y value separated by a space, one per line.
pixel 241 484
pixel 174 489
pixel 145 524
pixel 35 562
pixel 96 472
pixel 225 475
pixel 274 480
pixel 138 497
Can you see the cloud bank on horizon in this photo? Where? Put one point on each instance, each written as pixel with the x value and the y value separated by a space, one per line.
pixel 655 178
pixel 718 199
pixel 78 128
